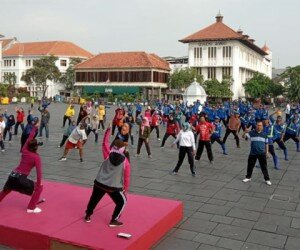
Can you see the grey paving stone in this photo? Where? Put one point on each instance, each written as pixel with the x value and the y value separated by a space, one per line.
pixel 222 219
pixel 206 239
pixel 198 225
pixel 214 209
pixel 252 246
pixel 202 216
pixel 232 232
pixel 176 244
pixel 243 223
pixel 227 194
pixel 230 243
pixel 282 205
pixel 292 243
pixel 184 234
pixel 286 230
pixel 208 247
pixel 267 239
pixel 296 223
pixel 243 214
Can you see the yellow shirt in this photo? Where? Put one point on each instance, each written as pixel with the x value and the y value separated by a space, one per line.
pixel 101 112
pixel 70 112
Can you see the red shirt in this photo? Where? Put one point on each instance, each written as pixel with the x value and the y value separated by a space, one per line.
pixel 30 160
pixel 204 130
pixel 20 116
pixel 172 128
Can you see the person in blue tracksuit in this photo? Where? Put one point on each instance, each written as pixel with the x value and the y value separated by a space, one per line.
pixel 216 135
pixel 269 130
pixel 279 131
pixel 293 131
pixel 222 113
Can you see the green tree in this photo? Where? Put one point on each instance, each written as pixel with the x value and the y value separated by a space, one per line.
pixel 182 78
pixel 217 89
pixel 10 78
pixel 261 86
pixel 68 78
pixel 43 70
pixel 291 80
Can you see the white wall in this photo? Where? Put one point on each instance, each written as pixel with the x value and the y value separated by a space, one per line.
pixel 243 61
pixel 20 68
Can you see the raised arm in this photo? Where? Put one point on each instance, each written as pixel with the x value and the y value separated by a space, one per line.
pixel 105 143
pixel 30 137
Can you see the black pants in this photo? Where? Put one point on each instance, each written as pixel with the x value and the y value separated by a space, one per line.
pixel 17 126
pixel 236 137
pixel 166 136
pixel 288 136
pixel 263 165
pixel 65 119
pixel 9 131
pixel 280 143
pixel 217 139
pixel 182 152
pixel 207 145
pixel 101 122
pixel 157 130
pixel 118 197
pixel 139 146
pixel 65 137
pixel 224 122
pixel 137 113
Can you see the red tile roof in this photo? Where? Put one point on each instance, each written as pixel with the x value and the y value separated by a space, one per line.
pixel 219 32
pixel 56 48
pixel 216 31
pixel 5 42
pixel 117 60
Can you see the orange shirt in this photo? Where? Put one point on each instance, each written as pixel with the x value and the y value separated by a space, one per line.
pixel 234 123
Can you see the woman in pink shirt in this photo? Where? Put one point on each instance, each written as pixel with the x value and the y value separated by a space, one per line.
pixel 18 181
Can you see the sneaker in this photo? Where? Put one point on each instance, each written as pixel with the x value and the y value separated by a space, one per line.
pixel 149 156
pixel 63 159
pixel 211 162
pixel 81 160
pixel 224 153
pixel 268 183
pixel 158 139
pixel 137 156
pixel 173 172
pixel 194 174
pixel 246 180
pixel 162 147
pixel 34 211
pixel 3 150
pixel 238 146
pixel 87 219
pixel 115 223
pixel 58 146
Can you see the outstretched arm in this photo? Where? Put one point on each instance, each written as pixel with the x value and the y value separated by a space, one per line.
pixel 30 137
pixel 105 143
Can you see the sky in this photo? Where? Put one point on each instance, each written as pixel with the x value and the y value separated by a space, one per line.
pixel 154 26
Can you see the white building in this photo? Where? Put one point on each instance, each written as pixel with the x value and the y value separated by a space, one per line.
pixel 177 63
pixel 20 56
pixel 218 51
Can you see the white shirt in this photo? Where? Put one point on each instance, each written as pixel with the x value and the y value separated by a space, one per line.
pixel 288 109
pixel 77 134
pixel 186 139
pixel 2 126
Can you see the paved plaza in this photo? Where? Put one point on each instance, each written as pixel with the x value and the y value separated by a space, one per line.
pixel 220 211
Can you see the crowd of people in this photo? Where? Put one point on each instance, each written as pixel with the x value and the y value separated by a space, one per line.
pixel 186 124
